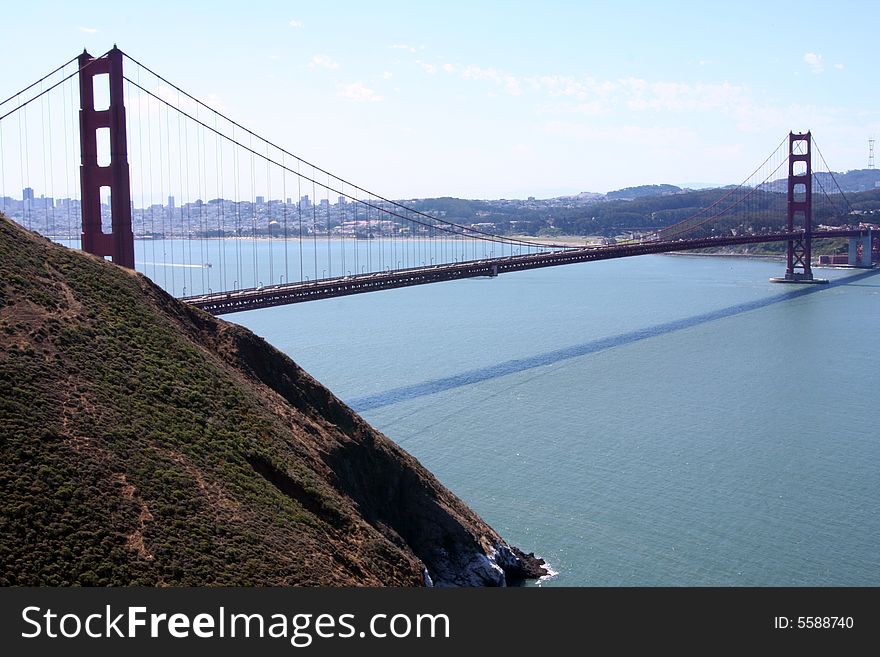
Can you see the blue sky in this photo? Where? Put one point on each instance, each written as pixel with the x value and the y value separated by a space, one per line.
pixel 498 99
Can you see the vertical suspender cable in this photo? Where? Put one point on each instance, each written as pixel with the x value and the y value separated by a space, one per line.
pixel 186 201
pixel 128 102
pixel 3 169
pixel 166 238
pixel 391 236
pixel 48 192
pixel 238 283
pixel 284 214
pixel 327 220
pixel 340 208
pixel 221 202
pixel 354 208
pixel 147 203
pixel 144 206
pixel 204 207
pixel 64 114
pixel 299 211
pixel 24 201
pixel 314 227
pixel 163 231
pixel 253 199
pixel 199 205
pixel 369 240
pixel 270 242
pixel 171 211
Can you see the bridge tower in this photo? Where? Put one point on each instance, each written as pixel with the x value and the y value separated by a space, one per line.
pixel 119 243
pixel 800 210
pixel 860 250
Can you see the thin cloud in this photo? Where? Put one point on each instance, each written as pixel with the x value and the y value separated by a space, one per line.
pixel 88 30
pixel 357 92
pixel 592 108
pixel 509 83
pixel 679 96
pixel 814 61
pixel 587 96
pixel 433 69
pixel 295 24
pixel 387 75
pixel 563 86
pixel 323 61
pixel 403 46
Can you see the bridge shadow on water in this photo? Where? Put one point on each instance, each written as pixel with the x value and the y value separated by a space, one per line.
pixel 414 391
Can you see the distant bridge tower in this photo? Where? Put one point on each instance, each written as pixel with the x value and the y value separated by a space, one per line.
pixel 119 243
pixel 800 210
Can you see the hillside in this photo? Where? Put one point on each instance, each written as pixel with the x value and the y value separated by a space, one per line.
pixel 143 442
pixel 630 193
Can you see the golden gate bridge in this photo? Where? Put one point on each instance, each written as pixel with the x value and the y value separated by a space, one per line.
pixel 219 213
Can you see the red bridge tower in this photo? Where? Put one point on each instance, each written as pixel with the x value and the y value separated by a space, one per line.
pixel 119 243
pixel 800 210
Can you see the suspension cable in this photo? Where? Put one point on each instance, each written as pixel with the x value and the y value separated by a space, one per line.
pixel 45 77
pixel 319 169
pixel 680 225
pixel 48 89
pixel 831 173
pixel 448 227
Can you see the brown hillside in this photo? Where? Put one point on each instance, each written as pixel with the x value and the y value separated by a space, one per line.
pixel 145 442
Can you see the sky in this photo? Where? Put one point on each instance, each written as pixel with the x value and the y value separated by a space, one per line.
pixel 498 99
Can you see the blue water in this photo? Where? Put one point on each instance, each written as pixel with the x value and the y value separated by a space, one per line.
pixel 194 267
pixel 657 420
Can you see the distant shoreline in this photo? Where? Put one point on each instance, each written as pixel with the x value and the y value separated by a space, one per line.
pixel 756 256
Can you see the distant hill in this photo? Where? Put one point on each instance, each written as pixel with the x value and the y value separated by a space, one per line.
pixel 850 182
pixel 145 442
pixel 699 185
pixel 630 193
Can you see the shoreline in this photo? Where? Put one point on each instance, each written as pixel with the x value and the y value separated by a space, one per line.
pixel 756 256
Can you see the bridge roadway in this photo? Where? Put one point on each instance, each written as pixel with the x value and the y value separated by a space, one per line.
pixel 219 303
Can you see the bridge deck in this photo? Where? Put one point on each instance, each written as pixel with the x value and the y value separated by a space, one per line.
pixel 279 295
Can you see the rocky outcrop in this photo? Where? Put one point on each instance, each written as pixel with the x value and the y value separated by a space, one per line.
pixel 391 489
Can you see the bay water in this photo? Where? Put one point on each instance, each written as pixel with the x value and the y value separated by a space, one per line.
pixel 657 420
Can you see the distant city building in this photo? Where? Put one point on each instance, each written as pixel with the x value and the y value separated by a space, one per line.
pixel 341 200
pixel 261 200
pixel 304 202
pixel 325 203
pixel 27 194
pixel 170 202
